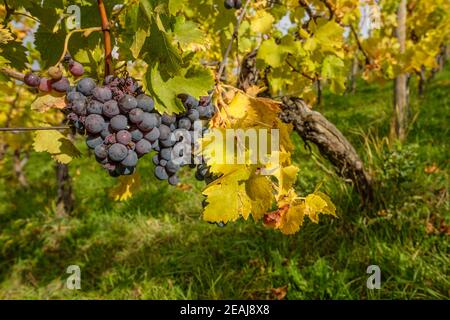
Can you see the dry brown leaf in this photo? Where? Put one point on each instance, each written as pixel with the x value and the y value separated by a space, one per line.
pixel 280 293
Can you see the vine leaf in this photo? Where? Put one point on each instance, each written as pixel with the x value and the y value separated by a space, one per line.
pixel 127 186
pixel 47 102
pixel 60 147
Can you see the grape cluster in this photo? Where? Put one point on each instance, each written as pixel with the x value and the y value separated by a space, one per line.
pixel 230 4
pixel 175 137
pixel 55 81
pixel 117 118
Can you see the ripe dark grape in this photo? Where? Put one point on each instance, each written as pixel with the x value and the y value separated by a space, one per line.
pixel 136 134
pixel 102 94
pixel 45 85
pixel 76 68
pixel 136 115
pixel 101 151
pixel 119 122
pixel 143 147
pixel 131 159
pixel 86 86
pixel 110 139
pixel 164 132
pixel 127 103
pixel 94 141
pixel 117 152
pixel 123 137
pixel 79 107
pixel 155 146
pixel 111 109
pixel 95 107
pixel 149 121
pixel 72 117
pixel 94 123
pixel 168 120
pixel 238 4
pixel 152 135
pixel 106 130
pixel 169 142
pixel 173 180
pixel 160 173
pixel 166 153
pixel 193 115
pixel 145 102
pixel 32 80
pixel 162 162
pixel 184 123
pixel 155 160
pixel 229 4
pixel 61 85
pixel 172 167
pixel 73 95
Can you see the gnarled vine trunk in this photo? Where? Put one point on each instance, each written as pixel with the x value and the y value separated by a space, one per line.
pixel 64 197
pixel 313 127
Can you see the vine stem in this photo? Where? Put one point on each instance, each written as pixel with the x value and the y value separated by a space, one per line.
pixel 66 41
pixel 230 44
pixel 106 38
pixel 12 73
pixel 23 129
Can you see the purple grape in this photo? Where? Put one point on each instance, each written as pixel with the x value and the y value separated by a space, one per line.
pixel 136 134
pixel 162 162
pixel 160 173
pixel 79 107
pixel 164 132
pixel 102 94
pixel 72 117
pixel 152 135
pixel 86 86
pixel 193 115
pixel 136 115
pixel 155 160
pixel 131 159
pixel 145 102
pixel 76 68
pixel 127 103
pixel 111 109
pixel 172 167
pixel 94 141
pixel 101 151
pixel 119 122
pixel 168 120
pixel 173 180
pixel 94 123
pixel 106 130
pixel 32 80
pixel 149 121
pixel 166 153
pixel 73 95
pixel 143 147
pixel 123 137
pixel 117 152
pixel 110 139
pixel 61 85
pixel 184 123
pixel 95 107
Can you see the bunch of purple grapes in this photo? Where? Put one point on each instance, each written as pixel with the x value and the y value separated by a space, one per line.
pixel 175 137
pixel 117 118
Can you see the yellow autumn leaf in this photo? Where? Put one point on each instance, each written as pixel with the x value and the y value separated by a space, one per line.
pixel 55 143
pixel 293 219
pixel 127 186
pixel 47 102
pixel 262 22
pixel 316 203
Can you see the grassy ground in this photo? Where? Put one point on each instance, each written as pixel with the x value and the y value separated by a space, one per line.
pixel 156 246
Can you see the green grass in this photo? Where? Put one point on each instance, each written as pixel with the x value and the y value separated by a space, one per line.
pixel 155 246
